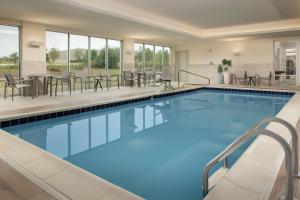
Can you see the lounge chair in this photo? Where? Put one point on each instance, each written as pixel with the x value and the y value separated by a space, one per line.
pixel 65 79
pixel 83 77
pixel 17 84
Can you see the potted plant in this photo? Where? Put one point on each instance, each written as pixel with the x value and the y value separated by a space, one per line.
pixel 226 65
pixel 220 74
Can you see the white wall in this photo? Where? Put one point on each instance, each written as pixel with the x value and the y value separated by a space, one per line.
pixel 255 56
pixel 33 60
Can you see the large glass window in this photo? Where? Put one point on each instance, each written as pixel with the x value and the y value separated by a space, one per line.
pixel 167 57
pixel 9 52
pixel 138 56
pixel 158 58
pixel 98 46
pixel 149 56
pixel 78 52
pixel 113 62
pixel 56 52
pixel 92 54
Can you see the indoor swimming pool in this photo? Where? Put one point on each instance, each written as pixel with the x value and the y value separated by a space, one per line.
pixel 157 148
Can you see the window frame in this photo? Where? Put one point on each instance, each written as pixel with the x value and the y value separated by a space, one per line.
pixel 154 47
pixel 89 49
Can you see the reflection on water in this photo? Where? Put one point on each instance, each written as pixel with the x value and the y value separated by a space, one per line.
pixel 156 149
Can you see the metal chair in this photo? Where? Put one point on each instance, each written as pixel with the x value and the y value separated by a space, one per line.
pixel 150 74
pixel 238 76
pixel 128 77
pixel 267 79
pixel 166 78
pixel 109 79
pixel 17 84
pixel 65 79
pixel 83 77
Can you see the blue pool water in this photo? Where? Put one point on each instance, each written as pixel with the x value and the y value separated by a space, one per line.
pixel 157 148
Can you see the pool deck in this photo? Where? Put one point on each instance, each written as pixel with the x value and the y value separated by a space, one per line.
pixel 53 178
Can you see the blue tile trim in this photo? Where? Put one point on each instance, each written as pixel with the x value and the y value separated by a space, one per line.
pixel 30 119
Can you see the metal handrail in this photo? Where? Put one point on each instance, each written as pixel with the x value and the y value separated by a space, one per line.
pixel 180 71
pixel 295 143
pixel 243 139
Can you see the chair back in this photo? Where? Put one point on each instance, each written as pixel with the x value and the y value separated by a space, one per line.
pixel 149 71
pixel 66 77
pixel 83 75
pixel 166 74
pixel 9 79
pixel 127 74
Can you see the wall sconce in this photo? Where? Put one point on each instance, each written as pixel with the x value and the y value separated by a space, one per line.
pixel 237 53
pixel 36 44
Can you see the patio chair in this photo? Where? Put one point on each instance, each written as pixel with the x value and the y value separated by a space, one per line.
pixel 267 78
pixel 109 79
pixel 10 81
pixel 166 78
pixel 128 77
pixel 150 74
pixel 240 77
pixel 65 79
pixel 83 77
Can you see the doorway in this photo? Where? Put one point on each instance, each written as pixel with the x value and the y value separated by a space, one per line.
pixel 285 63
pixel 182 63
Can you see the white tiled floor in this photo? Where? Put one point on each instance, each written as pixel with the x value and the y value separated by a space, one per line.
pixel 26 105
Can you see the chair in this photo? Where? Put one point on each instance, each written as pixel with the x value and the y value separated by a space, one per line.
pixel 166 78
pixel 240 76
pixel 128 77
pixel 83 77
pixel 267 78
pixel 150 74
pixel 17 84
pixel 65 79
pixel 109 79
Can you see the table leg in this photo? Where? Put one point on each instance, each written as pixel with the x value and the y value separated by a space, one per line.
pixel 51 81
pixel 45 86
pixel 139 80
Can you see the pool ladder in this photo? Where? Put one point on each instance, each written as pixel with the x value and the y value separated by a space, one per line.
pixel 291 154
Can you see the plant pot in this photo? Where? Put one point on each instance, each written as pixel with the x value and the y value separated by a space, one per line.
pixel 226 77
pixel 220 78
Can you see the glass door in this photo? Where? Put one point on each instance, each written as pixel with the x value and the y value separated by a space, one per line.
pixel 285 62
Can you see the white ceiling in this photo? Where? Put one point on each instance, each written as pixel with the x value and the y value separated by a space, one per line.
pixel 205 14
pixel 165 21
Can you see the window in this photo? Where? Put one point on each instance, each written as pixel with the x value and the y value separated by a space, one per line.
pixel 158 58
pixel 113 62
pixel 78 52
pixel 86 53
pixel 149 56
pixel 56 52
pixel 9 52
pixel 167 57
pixel 98 48
pixel 138 56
